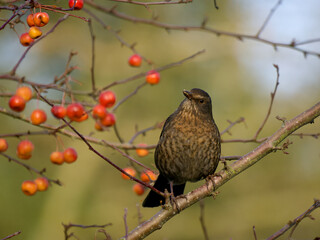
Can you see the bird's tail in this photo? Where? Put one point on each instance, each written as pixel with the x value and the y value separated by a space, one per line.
pixel 154 200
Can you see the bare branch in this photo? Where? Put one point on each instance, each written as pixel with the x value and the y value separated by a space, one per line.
pixel 11 235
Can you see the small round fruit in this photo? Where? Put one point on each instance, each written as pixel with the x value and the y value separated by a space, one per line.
pixel 107 98
pixel 130 171
pixel 38 116
pixel 26 40
pixel 99 111
pixel 147 176
pixel 42 183
pixel 142 152
pixel 70 155
pixel 153 77
pixel 25 92
pixel 40 19
pixel 77 6
pixel 29 187
pixel 138 189
pixel 24 149
pixel 57 157
pixel 30 20
pixel 59 111
pixel 98 126
pixel 75 111
pixel 17 103
pixel 35 32
pixel 3 145
pixel 135 60
pixel 108 120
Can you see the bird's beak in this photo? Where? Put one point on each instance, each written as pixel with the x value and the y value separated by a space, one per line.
pixel 187 94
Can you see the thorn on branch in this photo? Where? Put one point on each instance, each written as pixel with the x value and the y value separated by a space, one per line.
pixel 204 22
pixel 282 119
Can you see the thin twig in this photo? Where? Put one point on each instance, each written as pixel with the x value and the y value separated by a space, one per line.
pixel 93 37
pixel 11 235
pixel 272 11
pixel 202 222
pixel 125 222
pixel 70 225
pixel 273 94
pixel 296 221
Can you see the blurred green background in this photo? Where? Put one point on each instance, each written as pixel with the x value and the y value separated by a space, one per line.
pixel 239 75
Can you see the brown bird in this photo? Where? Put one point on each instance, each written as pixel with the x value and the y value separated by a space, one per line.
pixel 189 146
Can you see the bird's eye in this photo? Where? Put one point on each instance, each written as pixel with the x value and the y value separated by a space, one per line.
pixel 201 101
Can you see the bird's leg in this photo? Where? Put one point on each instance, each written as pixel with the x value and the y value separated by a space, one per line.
pixel 173 200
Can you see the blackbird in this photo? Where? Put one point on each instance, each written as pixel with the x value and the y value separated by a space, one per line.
pixel 189 146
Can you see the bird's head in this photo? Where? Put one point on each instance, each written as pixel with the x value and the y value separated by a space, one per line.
pixel 197 102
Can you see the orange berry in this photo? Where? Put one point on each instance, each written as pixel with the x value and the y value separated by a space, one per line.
pixel 40 19
pixel 3 145
pixel 147 176
pixel 25 92
pixel 29 187
pixel 130 171
pixel 98 126
pixel 138 189
pixel 142 152
pixel 38 116
pixel 30 20
pixel 24 149
pixel 35 32
pixel 70 155
pixel 42 183
pixel 57 157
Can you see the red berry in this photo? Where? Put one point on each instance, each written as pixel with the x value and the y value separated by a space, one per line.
pixel 138 189
pixel 24 149
pixel 38 116
pixel 59 111
pixel 130 171
pixel 109 120
pixel 107 99
pixel 29 187
pixel 57 157
pixel 75 111
pixel 99 111
pixel 17 103
pixel 3 145
pixel 40 19
pixel 42 183
pixel 70 155
pixel 135 60
pixel 77 6
pixel 26 40
pixel 153 77
pixel 25 92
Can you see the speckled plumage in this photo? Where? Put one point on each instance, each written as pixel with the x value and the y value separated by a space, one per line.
pixel 189 146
